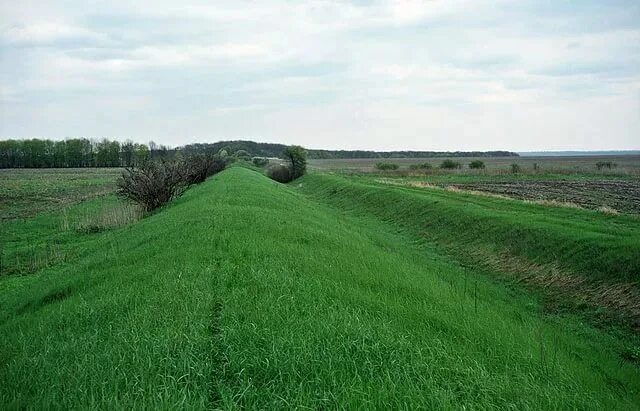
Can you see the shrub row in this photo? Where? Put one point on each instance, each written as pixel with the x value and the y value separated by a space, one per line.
pixel 450 165
pixel 601 165
pixel 476 164
pixel 155 183
pixel 423 166
pixel 446 164
pixel 196 168
pixel 479 165
pixel 453 165
pixel 260 161
pixel 386 166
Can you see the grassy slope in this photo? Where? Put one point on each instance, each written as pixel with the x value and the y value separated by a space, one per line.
pixel 244 292
pixel 26 192
pixel 49 238
pixel 601 247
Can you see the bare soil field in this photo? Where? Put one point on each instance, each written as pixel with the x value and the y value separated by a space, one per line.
pixel 620 195
pixel 624 164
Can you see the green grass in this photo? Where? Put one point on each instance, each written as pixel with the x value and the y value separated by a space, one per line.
pixel 579 261
pixel 604 247
pixel 28 245
pixel 27 192
pixel 567 166
pixel 245 292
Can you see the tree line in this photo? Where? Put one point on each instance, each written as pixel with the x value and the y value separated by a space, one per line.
pixel 82 152
pixel 76 152
pixel 277 150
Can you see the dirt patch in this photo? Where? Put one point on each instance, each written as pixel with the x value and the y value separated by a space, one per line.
pixel 614 195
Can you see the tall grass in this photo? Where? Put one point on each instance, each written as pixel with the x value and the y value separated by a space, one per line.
pixel 92 220
pixel 30 259
pixel 30 245
pixel 247 294
pixel 601 249
pixel 580 240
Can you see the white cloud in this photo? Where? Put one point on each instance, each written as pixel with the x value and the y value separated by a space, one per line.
pixel 49 33
pixel 431 74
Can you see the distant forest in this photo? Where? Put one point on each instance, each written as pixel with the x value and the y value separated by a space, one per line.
pixel 82 152
pixel 275 150
pixel 75 152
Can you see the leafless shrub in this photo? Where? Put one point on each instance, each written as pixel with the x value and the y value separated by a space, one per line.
pixel 157 182
pixel 196 168
pixel 152 185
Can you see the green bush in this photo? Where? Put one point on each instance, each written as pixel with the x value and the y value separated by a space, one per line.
pixel 450 165
pixel 242 155
pixel 279 173
pixel 387 166
pixel 422 166
pixel 601 165
pixel 515 168
pixel 476 164
pixel 260 161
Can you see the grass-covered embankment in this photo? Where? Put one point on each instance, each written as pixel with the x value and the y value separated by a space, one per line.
pixel 600 246
pixel 585 251
pixel 244 292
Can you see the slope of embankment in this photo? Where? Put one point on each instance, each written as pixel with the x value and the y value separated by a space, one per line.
pixel 245 292
pixel 582 260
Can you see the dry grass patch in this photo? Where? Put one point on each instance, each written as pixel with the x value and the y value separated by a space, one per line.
pixel 554 203
pixel 620 300
pixel 456 189
pixel 608 210
pixel 93 221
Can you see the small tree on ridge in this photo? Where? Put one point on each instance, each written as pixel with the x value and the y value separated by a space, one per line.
pixel 297 156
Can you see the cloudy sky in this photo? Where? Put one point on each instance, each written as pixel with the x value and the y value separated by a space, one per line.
pixel 432 75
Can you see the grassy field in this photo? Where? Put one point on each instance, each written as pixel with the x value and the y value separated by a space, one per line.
pixel 569 181
pixel 625 164
pixel 332 292
pixel 26 192
pixel 82 200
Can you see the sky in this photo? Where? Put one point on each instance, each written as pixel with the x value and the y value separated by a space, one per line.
pixel 380 75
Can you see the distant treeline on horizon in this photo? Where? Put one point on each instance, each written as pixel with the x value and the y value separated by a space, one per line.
pixel 83 152
pixel 275 150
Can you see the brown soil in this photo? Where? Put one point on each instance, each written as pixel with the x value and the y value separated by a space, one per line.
pixel 620 195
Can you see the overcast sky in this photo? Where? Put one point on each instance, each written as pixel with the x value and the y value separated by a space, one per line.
pixel 384 75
